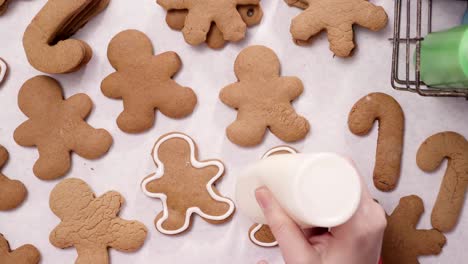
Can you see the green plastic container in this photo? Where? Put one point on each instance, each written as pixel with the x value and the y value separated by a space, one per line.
pixel 444 58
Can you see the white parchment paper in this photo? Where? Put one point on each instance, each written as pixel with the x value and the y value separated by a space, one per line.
pixel 332 85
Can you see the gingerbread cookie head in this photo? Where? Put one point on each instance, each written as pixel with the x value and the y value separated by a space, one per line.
pixel 144 82
pixel 46 39
pixel 388 112
pixel 402 242
pixel 91 224
pixel 202 14
pixel 451 198
pixel 259 234
pixel 12 192
pixel 27 254
pixel 337 18
pixel 263 99
pixel 57 127
pixel 251 15
pixel 185 185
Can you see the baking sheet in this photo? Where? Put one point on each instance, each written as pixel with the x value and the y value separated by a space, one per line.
pixel 332 85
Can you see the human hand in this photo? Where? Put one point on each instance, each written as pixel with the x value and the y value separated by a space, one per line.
pixel 358 241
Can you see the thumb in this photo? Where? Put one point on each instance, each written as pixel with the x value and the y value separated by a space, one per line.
pixel 293 244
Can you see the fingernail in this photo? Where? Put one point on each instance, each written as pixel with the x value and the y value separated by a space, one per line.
pixel 262 195
pixel 262 262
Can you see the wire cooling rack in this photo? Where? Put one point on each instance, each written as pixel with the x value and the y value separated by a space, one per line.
pixel 407 41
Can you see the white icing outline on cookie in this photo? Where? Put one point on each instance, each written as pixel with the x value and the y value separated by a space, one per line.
pixel 209 186
pixel 3 69
pixel 259 226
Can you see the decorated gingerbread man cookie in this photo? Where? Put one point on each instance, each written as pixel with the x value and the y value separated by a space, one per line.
pixel 263 99
pixel 201 15
pixel 27 254
pixel 3 70
pixel 12 192
pixel 91 224
pixel 337 18
pixel 57 127
pixel 144 82
pixel 185 185
pixel 260 234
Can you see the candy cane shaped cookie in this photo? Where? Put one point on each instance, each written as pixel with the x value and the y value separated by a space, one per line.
pixel 385 109
pixel 185 185
pixel 454 147
pixel 261 234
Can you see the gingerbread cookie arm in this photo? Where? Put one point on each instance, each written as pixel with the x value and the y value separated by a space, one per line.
pixel 25 135
pixel 451 198
pixel 385 109
pixel 307 24
pixel 113 85
pixel 293 86
pixel 91 143
pixel 128 236
pixel 231 95
pixel 80 103
pixel 370 16
pixel 171 63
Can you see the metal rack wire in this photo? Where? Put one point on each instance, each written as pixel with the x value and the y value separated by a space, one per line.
pixel 408 39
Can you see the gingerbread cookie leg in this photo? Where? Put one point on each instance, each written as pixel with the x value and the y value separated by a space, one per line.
pixel 12 192
pixel 246 132
pixel 341 40
pixel 196 33
pixel 87 254
pixel 54 161
pixel 231 28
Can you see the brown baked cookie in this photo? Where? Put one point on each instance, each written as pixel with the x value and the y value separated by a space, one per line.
pixel 251 14
pixel 144 82
pixel 57 127
pixel 3 6
pixel 337 18
pixel 12 192
pixel 403 243
pixel 259 234
pixel 263 99
pixel 3 70
pixel 185 185
pixel 202 14
pixel 46 39
pixel 27 254
pixel 385 109
pixel 451 198
pixel 91 224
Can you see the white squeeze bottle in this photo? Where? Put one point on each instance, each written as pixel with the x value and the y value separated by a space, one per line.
pixel 316 190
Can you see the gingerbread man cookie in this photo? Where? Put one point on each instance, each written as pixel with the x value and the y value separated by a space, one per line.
pixel 46 39
pixel 453 147
pixel 403 243
pixel 27 254
pixel 57 127
pixel 263 99
pixel 201 15
pixel 12 192
pixel 91 224
pixel 260 234
pixel 144 82
pixel 251 14
pixel 185 185
pixel 337 18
